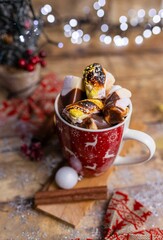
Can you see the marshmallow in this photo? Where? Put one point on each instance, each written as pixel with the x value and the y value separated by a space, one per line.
pixel 116 105
pixel 114 115
pixel 110 80
pixel 114 88
pixel 93 101
pixel 94 80
pixel 123 93
pixel 77 112
pixel 72 91
pixel 122 103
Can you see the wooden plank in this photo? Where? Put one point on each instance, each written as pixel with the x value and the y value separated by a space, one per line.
pixel 72 213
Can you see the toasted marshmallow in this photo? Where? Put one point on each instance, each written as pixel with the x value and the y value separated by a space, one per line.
pixel 94 80
pixel 77 112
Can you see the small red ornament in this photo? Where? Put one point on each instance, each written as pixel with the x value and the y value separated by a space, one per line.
pixel 30 67
pixel 35 59
pixel 22 62
pixel 42 54
pixel 29 52
pixel 43 63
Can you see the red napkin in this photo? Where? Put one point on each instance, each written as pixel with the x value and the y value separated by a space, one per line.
pixel 126 219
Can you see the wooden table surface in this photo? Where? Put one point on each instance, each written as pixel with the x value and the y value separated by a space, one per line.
pixel 138 69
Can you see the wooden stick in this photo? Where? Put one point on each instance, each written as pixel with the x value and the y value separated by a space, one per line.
pixel 77 194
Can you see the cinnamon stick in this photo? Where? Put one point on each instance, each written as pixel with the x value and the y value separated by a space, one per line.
pixel 71 195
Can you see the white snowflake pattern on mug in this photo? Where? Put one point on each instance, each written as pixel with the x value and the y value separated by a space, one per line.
pixel 113 137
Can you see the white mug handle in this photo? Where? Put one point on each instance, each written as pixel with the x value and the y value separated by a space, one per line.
pixel 141 137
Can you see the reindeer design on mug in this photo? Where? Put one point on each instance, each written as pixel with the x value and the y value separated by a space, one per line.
pixel 108 154
pixel 92 144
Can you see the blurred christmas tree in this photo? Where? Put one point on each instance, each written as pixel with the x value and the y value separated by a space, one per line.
pixel 20 30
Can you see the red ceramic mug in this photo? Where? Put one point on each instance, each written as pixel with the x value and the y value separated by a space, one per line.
pixel 92 152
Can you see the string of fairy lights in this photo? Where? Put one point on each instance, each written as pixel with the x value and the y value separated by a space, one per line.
pixel 95 20
pixel 21 29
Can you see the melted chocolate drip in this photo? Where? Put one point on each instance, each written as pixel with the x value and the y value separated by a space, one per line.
pixel 100 122
pixel 73 96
